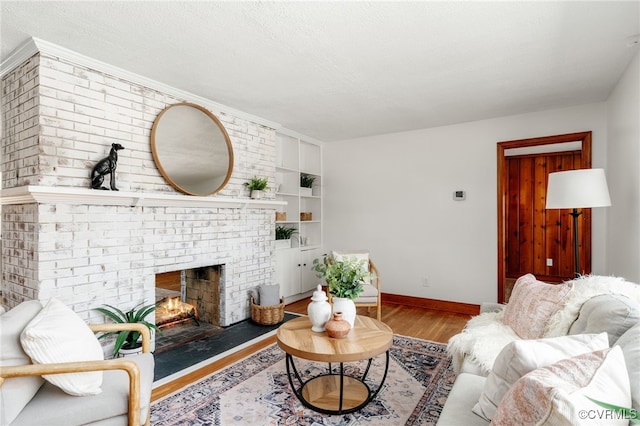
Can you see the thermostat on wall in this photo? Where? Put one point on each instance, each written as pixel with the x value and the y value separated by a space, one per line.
pixel 459 195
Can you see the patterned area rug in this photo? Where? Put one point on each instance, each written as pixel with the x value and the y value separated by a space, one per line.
pixel 256 391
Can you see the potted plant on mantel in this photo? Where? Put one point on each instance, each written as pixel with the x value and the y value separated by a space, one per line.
pixel 283 236
pixel 126 343
pixel 344 282
pixel 306 184
pixel 257 186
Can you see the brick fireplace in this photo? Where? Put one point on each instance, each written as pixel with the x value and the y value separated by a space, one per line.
pixel 90 247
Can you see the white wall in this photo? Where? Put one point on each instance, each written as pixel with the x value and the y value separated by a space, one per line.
pixel 393 194
pixel 623 175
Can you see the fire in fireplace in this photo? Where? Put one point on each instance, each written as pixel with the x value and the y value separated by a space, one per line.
pixel 188 305
pixel 171 311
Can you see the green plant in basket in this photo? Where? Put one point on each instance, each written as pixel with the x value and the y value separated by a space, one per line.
pixel 257 184
pixel 127 339
pixel 344 277
pixel 284 232
pixel 306 180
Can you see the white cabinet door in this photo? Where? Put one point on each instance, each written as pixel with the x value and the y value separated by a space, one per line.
pixel 308 278
pixel 287 272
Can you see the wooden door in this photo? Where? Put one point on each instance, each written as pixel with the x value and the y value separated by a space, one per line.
pixel 532 239
pixel 538 241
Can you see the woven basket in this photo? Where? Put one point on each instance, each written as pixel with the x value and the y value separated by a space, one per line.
pixel 267 315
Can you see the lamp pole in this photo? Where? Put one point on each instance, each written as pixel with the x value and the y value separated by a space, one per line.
pixel 575 213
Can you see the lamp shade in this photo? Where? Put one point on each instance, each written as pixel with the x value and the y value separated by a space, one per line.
pixel 582 188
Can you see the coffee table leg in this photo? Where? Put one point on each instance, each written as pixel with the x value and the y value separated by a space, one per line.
pixel 298 391
pixel 384 377
pixel 290 366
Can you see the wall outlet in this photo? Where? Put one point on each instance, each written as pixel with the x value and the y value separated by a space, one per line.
pixel 425 281
pixel 549 262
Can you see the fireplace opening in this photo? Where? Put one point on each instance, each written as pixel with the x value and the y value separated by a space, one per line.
pixel 187 305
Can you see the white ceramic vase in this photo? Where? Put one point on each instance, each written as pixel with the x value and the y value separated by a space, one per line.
pixel 347 307
pixel 319 310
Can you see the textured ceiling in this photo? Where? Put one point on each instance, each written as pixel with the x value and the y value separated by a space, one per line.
pixel 340 70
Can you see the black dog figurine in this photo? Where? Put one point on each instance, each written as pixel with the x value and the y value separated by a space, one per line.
pixel 104 167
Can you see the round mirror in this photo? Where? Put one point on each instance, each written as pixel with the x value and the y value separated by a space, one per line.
pixel 192 149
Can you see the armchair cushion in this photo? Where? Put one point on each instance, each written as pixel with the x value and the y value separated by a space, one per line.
pixel 359 255
pixel 16 392
pixel 57 334
pixel 109 407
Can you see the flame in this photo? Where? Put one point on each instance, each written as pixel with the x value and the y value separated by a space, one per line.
pixel 174 308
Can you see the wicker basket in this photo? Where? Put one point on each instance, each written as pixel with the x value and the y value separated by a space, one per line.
pixel 267 315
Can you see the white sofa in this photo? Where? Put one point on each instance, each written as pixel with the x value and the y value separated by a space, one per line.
pixel 542 334
pixel 107 392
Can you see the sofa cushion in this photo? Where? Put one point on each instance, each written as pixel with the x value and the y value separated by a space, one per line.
pixel 584 288
pixel 16 392
pixel 556 394
pixel 611 313
pixel 520 357
pixel 52 407
pixel 531 305
pixel 630 344
pixel 457 408
pixel 57 334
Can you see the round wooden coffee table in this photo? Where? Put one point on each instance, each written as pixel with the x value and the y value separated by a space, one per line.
pixel 334 392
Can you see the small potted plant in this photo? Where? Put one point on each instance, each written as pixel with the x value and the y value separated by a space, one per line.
pixel 306 184
pixel 127 341
pixel 283 236
pixel 257 186
pixel 344 282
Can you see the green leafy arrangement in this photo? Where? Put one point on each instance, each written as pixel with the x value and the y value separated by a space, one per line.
pixel 257 184
pixel 127 339
pixel 306 180
pixel 284 232
pixel 344 277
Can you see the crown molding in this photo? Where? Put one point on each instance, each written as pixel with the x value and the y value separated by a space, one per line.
pixel 35 45
pixel 80 196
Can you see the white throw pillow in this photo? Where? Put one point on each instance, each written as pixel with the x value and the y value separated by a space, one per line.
pixel 57 334
pixel 557 394
pixel 522 356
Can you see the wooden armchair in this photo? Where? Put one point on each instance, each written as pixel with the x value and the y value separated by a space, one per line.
pixel 131 366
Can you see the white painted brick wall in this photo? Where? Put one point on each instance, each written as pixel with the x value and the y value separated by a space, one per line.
pixel 59 119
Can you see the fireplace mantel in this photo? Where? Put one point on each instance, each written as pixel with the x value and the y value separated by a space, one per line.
pixel 73 195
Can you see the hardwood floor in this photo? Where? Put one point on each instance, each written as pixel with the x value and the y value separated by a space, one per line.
pixel 421 323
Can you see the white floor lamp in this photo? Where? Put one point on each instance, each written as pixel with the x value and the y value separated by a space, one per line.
pixel 574 189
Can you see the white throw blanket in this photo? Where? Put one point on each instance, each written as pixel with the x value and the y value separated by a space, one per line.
pixel 485 335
